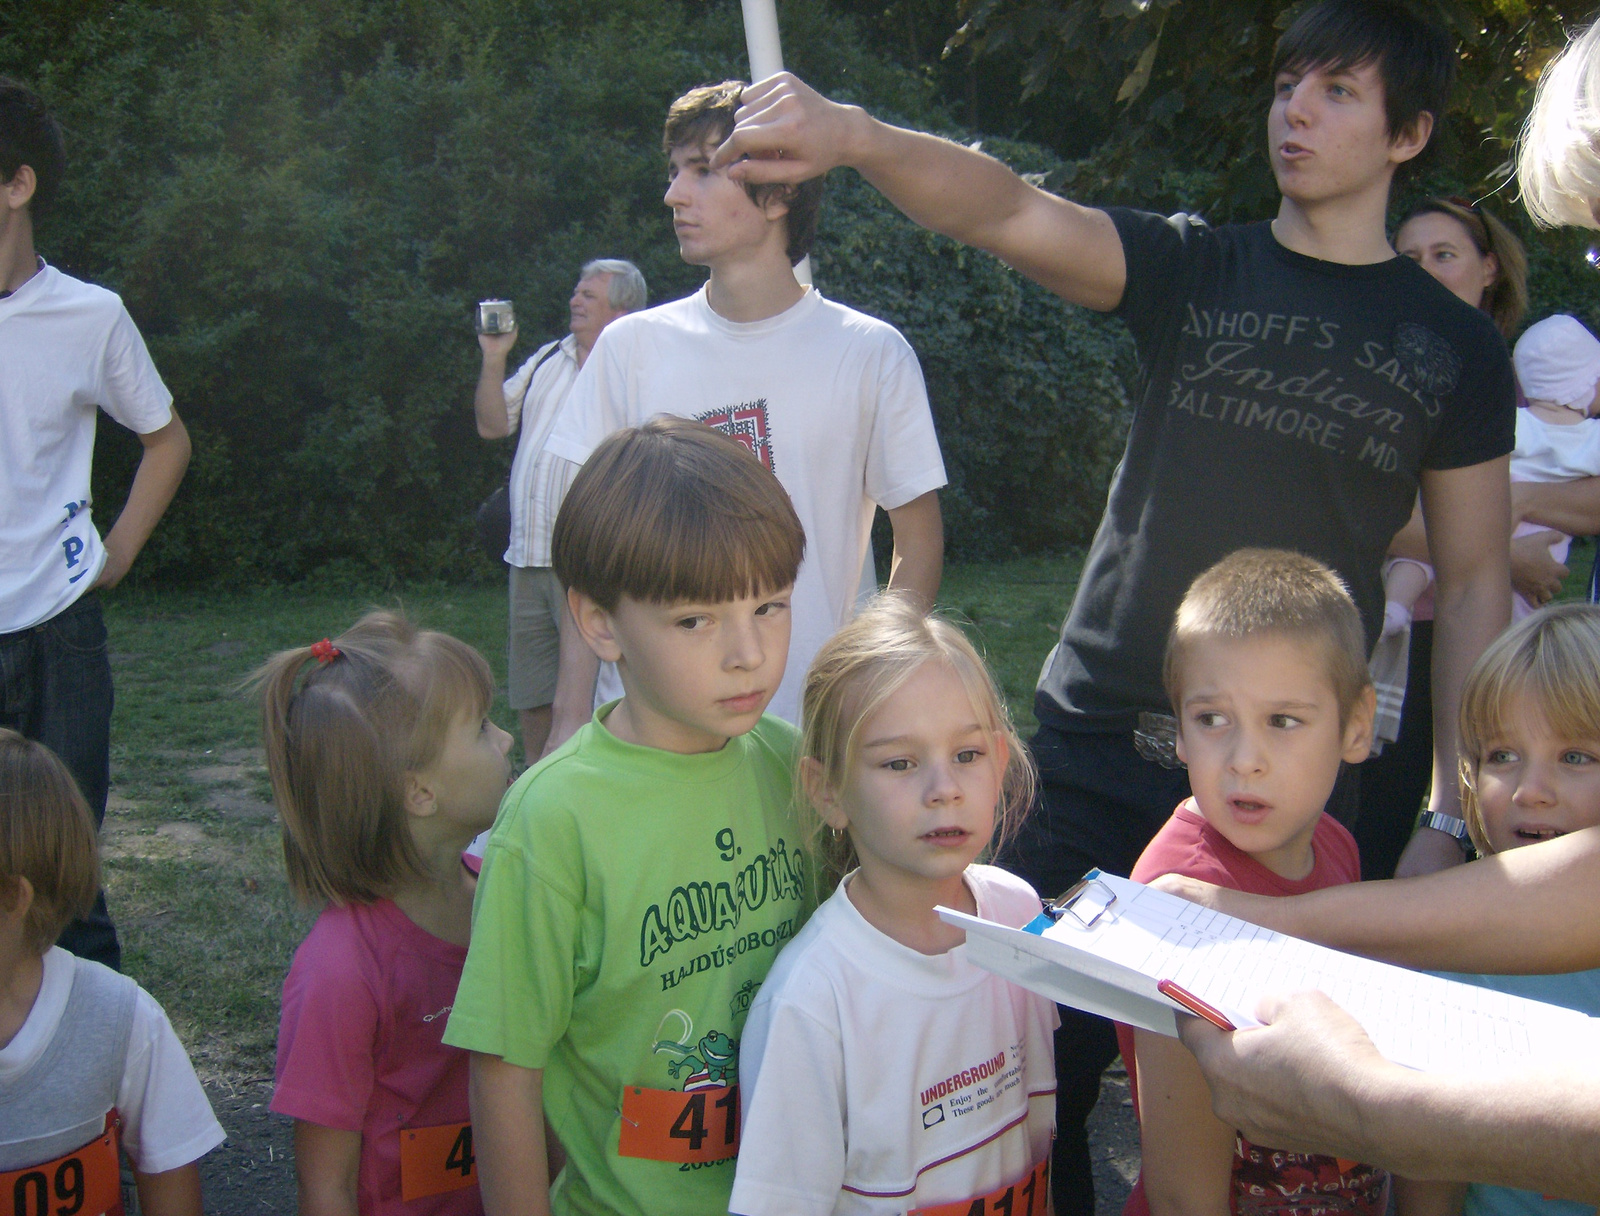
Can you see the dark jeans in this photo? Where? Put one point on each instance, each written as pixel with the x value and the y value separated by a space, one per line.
pixel 55 686
pixel 1099 804
pixel 1396 780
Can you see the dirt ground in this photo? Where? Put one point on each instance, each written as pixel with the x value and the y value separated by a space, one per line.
pixel 253 1173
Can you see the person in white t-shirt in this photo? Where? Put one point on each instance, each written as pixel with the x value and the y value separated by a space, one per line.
pixel 68 350
pixel 831 400
pixel 1558 439
pixel 90 1069
pixel 882 1071
pixel 529 401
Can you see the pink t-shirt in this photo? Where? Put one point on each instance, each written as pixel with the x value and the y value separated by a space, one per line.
pixel 1266 1182
pixel 360 1048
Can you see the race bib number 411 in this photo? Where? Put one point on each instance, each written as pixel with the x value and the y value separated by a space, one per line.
pixel 1028 1196
pixel 686 1128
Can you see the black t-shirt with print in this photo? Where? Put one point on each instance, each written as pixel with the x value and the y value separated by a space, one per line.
pixel 1286 402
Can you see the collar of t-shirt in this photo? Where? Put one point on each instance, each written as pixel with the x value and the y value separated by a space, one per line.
pixel 809 301
pixel 932 975
pixel 602 748
pixel 1341 270
pixel 1236 858
pixel 6 295
pixel 39 1029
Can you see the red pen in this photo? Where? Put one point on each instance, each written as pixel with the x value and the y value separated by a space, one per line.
pixel 1193 1004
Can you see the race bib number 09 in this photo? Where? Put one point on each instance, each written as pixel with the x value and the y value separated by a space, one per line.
pixel 686 1128
pixel 1030 1196
pixel 86 1182
pixel 434 1160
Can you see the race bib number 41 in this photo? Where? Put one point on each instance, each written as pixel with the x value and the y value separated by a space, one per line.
pixel 686 1128
pixel 86 1182
pixel 1029 1196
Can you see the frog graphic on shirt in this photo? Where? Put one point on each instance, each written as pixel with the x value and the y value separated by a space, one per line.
pixel 712 1061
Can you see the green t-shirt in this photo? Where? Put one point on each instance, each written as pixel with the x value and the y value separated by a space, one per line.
pixel 632 900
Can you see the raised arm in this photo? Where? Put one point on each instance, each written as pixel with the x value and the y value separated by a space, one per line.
pixel 489 399
pixel 791 133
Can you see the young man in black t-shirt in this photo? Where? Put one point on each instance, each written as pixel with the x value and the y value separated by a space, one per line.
pixel 1300 384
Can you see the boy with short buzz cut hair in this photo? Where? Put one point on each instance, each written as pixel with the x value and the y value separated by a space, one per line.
pixel 1266 667
pixel 828 398
pixel 640 881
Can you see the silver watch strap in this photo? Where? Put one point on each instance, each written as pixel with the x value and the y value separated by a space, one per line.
pixel 1448 824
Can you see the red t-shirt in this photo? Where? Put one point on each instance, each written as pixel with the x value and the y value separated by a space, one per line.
pixel 360 1048
pixel 1266 1182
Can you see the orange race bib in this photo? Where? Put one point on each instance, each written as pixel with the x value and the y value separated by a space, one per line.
pixel 85 1182
pixel 1028 1196
pixel 434 1160
pixel 688 1128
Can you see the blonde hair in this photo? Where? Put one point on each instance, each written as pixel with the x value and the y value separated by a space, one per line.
pixel 675 510
pixel 861 667
pixel 1273 591
pixel 1558 153
pixel 1551 657
pixel 341 732
pixel 47 836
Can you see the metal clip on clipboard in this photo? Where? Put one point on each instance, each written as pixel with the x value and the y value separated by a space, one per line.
pixel 1086 902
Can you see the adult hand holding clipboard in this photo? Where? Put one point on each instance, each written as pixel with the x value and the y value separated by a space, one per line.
pixel 1302 1081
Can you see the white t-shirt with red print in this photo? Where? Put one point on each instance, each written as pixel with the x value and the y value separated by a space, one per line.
pixel 830 399
pixel 879 1080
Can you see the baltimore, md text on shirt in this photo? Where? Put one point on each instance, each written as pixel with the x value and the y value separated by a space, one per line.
pixel 1244 376
pixel 716 906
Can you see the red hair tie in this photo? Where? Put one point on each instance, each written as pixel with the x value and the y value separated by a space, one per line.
pixel 325 651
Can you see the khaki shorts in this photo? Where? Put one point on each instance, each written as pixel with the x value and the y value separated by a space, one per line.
pixel 535 645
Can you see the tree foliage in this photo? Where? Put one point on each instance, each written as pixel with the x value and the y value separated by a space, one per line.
pixel 301 201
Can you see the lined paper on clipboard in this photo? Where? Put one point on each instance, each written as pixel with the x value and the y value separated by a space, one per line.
pixel 1108 955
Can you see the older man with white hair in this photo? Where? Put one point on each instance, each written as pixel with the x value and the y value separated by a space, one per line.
pixel 607 289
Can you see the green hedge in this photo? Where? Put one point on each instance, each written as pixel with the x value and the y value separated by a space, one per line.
pixel 301 201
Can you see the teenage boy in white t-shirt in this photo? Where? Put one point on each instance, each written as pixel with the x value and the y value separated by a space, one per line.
pixel 831 400
pixel 68 350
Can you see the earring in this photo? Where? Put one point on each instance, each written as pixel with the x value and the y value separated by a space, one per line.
pixel 836 833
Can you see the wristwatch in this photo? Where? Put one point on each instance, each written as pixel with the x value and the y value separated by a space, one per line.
pixel 1449 825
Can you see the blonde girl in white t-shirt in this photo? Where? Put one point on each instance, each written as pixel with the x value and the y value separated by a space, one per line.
pixel 881 1071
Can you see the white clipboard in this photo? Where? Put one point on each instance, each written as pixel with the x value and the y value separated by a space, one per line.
pixel 1105 945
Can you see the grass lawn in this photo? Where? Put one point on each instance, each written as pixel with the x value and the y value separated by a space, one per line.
pixel 193 869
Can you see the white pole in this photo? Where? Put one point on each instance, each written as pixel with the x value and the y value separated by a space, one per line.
pixel 766 59
pixel 761 36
